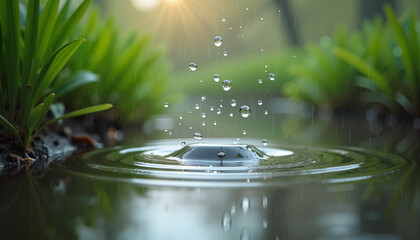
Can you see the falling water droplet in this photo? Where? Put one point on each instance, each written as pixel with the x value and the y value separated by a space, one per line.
pixel 214 123
pixel 225 53
pixel 264 142
pixel 246 9
pixel 233 102
pixel 193 66
pixel 165 104
pixel 245 235
pixel 223 19
pixel 203 98
pixel 216 77
pixel 245 111
pixel 170 132
pixel 180 117
pixel 265 112
pixel 218 41
pixel 264 223
pixel 244 132
pixel 221 154
pixel 197 106
pixel 221 105
pixel 198 136
pixel 259 102
pixel 233 209
pixel 183 143
pixel 226 221
pixel 231 115
pixel 271 76
pixel 249 147
pixel 226 85
pixel 211 108
pixel 245 205
pixel 203 115
pixel 260 81
pixel 219 111
pixel 203 124
pixel 262 18
pixel 264 202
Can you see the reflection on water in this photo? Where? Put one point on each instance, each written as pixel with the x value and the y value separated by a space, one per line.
pixel 74 201
pixel 65 206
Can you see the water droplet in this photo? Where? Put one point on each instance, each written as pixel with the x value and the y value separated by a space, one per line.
pixel 264 202
pixel 198 136
pixel 221 105
pixel 221 154
pixel 218 41
pixel 244 132
pixel 231 115
pixel 183 143
pixel 197 106
pixel 264 142
pixel 190 127
pixel 203 115
pixel 165 104
pixel 240 27
pixel 225 53
pixel 214 123
pixel 260 81
pixel 223 19
pixel 233 209
pixel 216 77
pixel 170 132
pixel 264 223
pixel 226 85
pixel 193 66
pixel 265 112
pixel 226 221
pixel 211 108
pixel 246 9
pixel 271 76
pixel 262 18
pixel 249 147
pixel 219 111
pixel 259 102
pixel 245 111
pixel 203 98
pixel 233 102
pixel 266 66
pixel 179 124
pixel 245 205
pixel 245 235
pixel 180 117
pixel 203 124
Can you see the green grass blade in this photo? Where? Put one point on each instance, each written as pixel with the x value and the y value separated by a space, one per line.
pixel 2 107
pixel 46 26
pixel 62 16
pixel 37 116
pixel 68 26
pixel 365 68
pixel 405 103
pixel 39 112
pixel 78 79
pixel 9 15
pixel 406 51
pixel 30 39
pixel 53 66
pixel 79 112
pixel 10 128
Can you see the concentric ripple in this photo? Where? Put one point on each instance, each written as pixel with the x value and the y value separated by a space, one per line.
pixel 218 163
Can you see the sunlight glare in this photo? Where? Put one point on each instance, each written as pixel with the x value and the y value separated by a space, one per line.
pixel 146 5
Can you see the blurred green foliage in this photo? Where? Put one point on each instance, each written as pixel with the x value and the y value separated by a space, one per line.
pixel 379 62
pixel 33 51
pixel 132 72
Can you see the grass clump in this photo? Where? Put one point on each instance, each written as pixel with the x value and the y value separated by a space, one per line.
pixel 379 62
pixel 33 52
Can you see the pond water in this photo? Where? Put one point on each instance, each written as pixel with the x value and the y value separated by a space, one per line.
pixel 165 190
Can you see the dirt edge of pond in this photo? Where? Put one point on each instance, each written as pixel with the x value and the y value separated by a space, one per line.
pixel 46 147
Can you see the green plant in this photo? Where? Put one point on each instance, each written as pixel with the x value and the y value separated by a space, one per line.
pixel 133 74
pixel 31 56
pixel 381 60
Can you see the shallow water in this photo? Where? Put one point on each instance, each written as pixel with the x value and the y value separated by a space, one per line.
pixel 161 190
